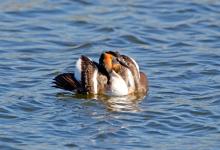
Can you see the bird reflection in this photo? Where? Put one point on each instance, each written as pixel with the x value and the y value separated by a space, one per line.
pixel 129 103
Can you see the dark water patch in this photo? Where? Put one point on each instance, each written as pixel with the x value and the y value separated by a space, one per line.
pixel 198 129
pixel 71 145
pixel 7 116
pixel 34 13
pixel 181 44
pixel 133 39
pixel 83 2
pixel 9 140
pixel 38 28
pixel 62 43
pixel 78 22
pixel 81 46
pixel 106 29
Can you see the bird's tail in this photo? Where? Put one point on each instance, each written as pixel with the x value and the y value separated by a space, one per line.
pixel 67 81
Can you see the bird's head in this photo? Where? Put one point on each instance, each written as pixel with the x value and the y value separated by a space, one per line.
pixel 112 61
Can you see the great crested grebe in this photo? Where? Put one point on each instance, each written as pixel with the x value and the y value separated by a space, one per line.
pixel 115 74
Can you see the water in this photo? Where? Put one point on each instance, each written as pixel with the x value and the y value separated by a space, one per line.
pixel 175 43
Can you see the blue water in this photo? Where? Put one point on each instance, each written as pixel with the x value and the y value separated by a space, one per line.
pixel 176 43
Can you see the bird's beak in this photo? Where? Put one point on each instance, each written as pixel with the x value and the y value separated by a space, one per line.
pixel 122 62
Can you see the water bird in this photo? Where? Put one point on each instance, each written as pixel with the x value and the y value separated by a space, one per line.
pixel 115 74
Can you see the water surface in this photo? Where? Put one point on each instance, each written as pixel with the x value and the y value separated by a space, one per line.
pixel 175 42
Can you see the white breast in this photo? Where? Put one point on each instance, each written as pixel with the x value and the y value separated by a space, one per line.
pixel 95 82
pixel 131 85
pixel 118 86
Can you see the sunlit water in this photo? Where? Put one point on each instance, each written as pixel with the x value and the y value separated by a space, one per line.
pixel 177 43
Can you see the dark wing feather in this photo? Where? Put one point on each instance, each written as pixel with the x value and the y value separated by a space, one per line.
pixel 67 81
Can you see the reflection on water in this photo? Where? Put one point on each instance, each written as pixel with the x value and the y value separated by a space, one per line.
pixel 126 103
pixel 129 103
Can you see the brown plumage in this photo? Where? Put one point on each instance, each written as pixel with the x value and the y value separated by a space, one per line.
pixel 140 79
pixel 95 78
pixel 144 86
pixel 87 72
